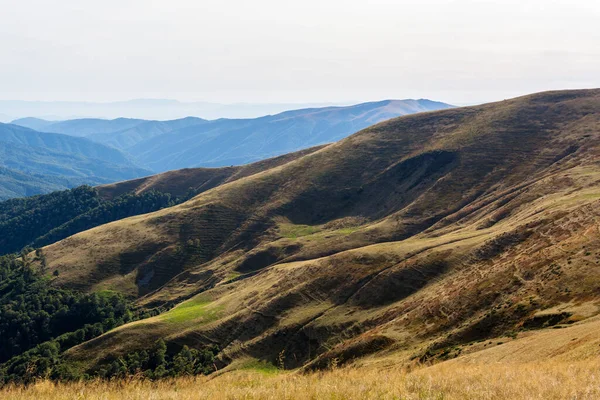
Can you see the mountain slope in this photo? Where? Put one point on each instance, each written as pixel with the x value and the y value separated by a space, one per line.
pixel 61 161
pixel 37 124
pixel 123 139
pixel 414 237
pixel 18 184
pixel 60 143
pixel 179 182
pixel 119 133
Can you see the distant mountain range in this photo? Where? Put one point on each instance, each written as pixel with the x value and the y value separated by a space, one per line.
pixel 195 142
pixel 33 162
pixel 41 155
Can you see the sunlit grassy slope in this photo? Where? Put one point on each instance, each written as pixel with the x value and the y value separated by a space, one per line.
pixel 419 239
pixel 547 380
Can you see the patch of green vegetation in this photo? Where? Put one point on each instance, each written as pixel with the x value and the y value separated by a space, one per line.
pixel 264 367
pixel 106 293
pixel 565 201
pixel 347 231
pixel 292 231
pixel 193 309
pixel 232 275
pixel 591 195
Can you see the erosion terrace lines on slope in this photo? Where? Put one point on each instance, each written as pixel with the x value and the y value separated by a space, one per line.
pixel 416 238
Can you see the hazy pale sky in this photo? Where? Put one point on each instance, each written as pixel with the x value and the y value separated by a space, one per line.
pixel 303 51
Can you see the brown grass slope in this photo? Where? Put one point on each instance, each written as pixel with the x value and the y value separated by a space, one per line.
pixel 418 237
pixel 178 182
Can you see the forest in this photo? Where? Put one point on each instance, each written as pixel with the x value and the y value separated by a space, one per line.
pixel 38 322
pixel 44 219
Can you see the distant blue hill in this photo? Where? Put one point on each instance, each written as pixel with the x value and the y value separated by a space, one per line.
pixel 33 162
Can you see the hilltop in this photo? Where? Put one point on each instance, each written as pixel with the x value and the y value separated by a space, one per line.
pixel 411 240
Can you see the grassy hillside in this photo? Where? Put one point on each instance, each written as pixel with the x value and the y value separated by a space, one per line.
pixel 412 239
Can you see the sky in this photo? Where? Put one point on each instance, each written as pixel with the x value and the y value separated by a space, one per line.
pixel 306 51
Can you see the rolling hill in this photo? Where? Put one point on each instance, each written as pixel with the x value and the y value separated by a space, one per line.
pixel 421 238
pixel 34 162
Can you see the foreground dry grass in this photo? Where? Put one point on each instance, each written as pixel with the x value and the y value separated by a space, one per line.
pixel 549 380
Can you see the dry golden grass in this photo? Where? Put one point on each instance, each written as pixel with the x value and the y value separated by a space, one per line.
pixel 549 380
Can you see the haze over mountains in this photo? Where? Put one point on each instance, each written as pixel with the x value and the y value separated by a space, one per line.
pixel 160 109
pixel 104 151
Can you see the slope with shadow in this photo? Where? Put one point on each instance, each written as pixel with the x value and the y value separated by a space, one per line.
pixel 408 240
